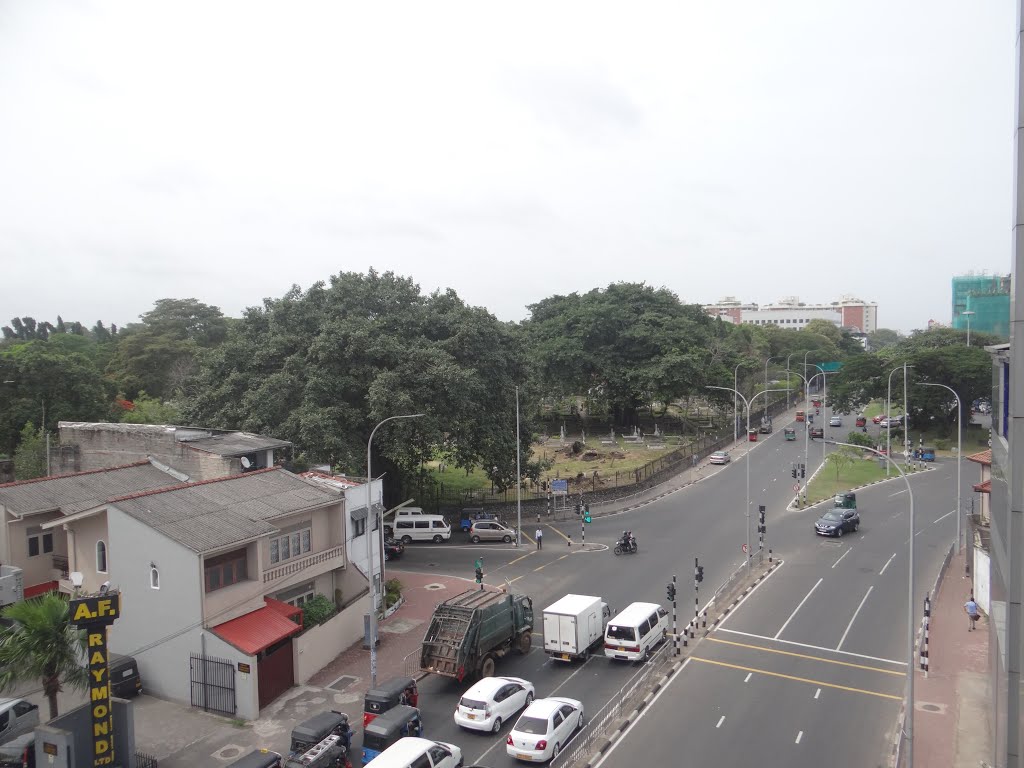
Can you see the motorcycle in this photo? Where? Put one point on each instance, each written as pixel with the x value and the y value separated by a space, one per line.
pixel 621 548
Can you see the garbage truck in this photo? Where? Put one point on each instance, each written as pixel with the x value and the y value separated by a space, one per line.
pixel 468 632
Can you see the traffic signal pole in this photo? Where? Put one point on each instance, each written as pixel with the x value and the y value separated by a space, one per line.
pixel 671 593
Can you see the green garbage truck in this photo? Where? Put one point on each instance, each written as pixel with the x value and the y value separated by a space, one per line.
pixel 469 631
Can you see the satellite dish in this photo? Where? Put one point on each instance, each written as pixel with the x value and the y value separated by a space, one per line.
pixel 246 463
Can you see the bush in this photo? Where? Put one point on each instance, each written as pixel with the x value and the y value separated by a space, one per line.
pixel 317 610
pixel 577 447
pixel 861 438
pixel 392 592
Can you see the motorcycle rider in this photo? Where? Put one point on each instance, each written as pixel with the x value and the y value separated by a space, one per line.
pixel 632 540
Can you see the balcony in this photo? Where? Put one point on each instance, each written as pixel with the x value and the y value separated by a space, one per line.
pixel 296 564
pixel 60 566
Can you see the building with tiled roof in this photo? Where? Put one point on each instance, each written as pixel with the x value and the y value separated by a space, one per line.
pixel 222 566
pixel 984 485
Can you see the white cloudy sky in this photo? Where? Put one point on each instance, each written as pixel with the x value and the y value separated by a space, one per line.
pixel 226 150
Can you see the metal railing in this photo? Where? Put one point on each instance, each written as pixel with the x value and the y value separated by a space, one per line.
pixel 301 563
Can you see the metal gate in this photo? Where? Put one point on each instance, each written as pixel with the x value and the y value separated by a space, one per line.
pixel 275 671
pixel 213 684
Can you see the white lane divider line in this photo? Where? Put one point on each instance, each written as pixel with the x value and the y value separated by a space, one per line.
pixel 854 618
pixel 944 516
pixel 783 628
pixel 799 736
pixel 841 557
pixel 887 564
pixel 817 693
pixel 747 678
pixel 720 721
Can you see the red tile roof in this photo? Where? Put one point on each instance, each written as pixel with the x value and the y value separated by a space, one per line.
pixel 984 457
pixel 985 487
pixel 257 630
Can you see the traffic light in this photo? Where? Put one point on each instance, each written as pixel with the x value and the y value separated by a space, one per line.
pixel 760 512
pixel 479 575
pixel 586 513
pixel 794 472
pixel 670 592
pixel 699 576
pixel 803 470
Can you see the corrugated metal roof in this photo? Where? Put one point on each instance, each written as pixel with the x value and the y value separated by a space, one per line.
pixel 214 514
pixel 331 481
pixel 256 631
pixel 82 490
pixel 237 443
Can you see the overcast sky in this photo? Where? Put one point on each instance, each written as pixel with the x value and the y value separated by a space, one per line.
pixel 227 150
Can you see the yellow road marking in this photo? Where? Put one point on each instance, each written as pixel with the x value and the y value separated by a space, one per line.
pixel 808 656
pixel 558 532
pixel 799 679
pixel 513 562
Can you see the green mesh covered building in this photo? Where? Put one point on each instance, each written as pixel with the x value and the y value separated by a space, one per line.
pixel 988 297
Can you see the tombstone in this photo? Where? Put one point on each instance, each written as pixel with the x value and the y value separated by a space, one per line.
pixel 584 435
pixel 611 433
pixel 562 433
pixel 657 430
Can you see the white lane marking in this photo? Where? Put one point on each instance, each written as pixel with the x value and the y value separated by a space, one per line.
pixel 741 602
pixel 897 493
pixel 747 678
pixel 944 516
pixel 887 564
pixel 799 736
pixel 720 721
pixel 622 736
pixel 815 647
pixel 841 557
pixel 782 629
pixel 854 617
pixel 817 693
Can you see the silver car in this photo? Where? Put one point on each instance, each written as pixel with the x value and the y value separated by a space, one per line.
pixel 490 530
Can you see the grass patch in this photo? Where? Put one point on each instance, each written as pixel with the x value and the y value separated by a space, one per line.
pixel 860 472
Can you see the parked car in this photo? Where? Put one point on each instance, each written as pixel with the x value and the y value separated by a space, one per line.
pixel 544 729
pixel 861 421
pixel 493 701
pixel 835 421
pixel 17 716
pixel 490 530
pixel 878 419
pixel 393 549
pixel 837 521
pixel 766 428
pixel 890 423
pixel 817 432
pixel 719 457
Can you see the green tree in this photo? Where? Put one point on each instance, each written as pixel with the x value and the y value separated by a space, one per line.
pixel 882 338
pixel 842 458
pixel 43 645
pixel 859 381
pixel 145 410
pixel 967 370
pixel 30 458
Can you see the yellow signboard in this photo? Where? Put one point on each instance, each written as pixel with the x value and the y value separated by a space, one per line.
pixel 95 614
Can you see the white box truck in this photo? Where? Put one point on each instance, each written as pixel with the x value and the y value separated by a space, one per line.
pixel 573 625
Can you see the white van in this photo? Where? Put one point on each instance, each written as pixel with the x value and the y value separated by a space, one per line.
pixel 632 634
pixel 413 752
pixel 419 527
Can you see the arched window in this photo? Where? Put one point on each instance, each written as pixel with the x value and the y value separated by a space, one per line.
pixel 101 556
pixel 154 577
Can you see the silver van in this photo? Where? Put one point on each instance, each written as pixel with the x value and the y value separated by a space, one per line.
pixel 17 716
pixel 410 528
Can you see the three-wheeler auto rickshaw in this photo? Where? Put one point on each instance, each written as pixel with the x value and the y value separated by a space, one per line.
pixel 927 453
pixel 390 693
pixel 398 722
pixel 752 435
pixel 259 758
pixel 789 433
pixel 315 729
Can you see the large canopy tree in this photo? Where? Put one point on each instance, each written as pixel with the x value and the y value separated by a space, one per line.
pixel 322 367
pixel 629 344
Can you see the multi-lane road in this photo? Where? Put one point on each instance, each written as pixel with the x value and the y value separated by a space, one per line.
pixel 810 668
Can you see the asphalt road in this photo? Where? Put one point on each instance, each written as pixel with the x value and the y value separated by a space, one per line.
pixel 847 636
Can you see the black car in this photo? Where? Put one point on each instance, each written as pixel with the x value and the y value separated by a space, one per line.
pixel 817 432
pixel 393 549
pixel 837 521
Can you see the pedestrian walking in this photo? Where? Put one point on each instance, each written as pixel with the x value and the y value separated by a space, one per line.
pixel 539 536
pixel 971 608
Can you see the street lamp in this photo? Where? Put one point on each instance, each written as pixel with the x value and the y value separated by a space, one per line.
pixel 959 444
pixel 888 410
pixel 807 410
pixel 735 404
pixel 908 722
pixel 746 404
pixel 519 483
pixel 369 548
pixel 788 403
pixel 967 313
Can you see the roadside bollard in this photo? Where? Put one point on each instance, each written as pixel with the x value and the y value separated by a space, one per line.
pixel 769 556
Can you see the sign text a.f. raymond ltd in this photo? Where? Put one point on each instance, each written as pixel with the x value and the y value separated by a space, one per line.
pixel 95 614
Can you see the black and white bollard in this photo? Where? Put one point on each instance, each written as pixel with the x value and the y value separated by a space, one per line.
pixel 924 633
pixel 675 626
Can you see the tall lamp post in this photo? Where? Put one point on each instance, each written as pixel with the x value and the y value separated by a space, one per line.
pixel 967 313
pixel 519 484
pixel 735 403
pixel 908 722
pixel 888 410
pixel 788 403
pixel 959 445
pixel 369 547
pixel 807 410
pixel 746 404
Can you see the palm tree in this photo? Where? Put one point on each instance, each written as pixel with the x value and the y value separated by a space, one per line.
pixel 43 645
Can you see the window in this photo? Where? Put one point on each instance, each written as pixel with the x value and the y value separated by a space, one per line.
pixel 154 577
pixel 101 556
pixel 297 596
pixel 292 544
pixel 39 542
pixel 225 570
pixel 358 527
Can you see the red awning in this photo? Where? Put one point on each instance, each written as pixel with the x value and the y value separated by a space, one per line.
pixel 985 487
pixel 258 630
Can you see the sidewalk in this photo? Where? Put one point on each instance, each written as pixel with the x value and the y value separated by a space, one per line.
pixel 953 708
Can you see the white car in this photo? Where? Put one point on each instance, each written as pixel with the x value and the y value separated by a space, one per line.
pixel 835 421
pixel 719 457
pixel 493 701
pixel 544 729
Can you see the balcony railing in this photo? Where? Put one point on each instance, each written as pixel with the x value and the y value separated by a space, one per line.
pixel 60 564
pixel 296 564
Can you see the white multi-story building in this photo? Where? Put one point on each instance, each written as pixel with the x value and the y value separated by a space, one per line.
pixel 848 312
